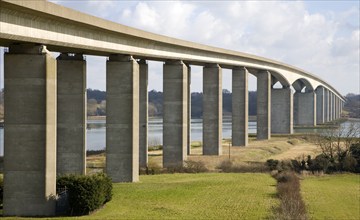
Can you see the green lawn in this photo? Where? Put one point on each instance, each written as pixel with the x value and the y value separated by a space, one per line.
pixel 332 197
pixel 192 196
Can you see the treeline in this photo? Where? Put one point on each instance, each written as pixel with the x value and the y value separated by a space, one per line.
pixel 352 105
pixel 97 103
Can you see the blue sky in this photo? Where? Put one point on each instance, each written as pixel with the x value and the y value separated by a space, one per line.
pixel 321 37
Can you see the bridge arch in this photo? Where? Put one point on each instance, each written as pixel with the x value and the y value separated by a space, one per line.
pixel 302 83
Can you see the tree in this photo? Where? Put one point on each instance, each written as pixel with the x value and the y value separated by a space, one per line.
pixel 335 147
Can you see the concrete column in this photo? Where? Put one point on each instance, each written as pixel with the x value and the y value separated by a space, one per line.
pixel 331 103
pixel 282 111
pixel 189 111
pixel 326 105
pixel 263 108
pixel 212 110
pixel 71 114
pixel 336 107
pixel 305 109
pixel 143 117
pixel 122 121
pixel 240 112
pixel 175 129
pixel 333 107
pixel 30 132
pixel 320 105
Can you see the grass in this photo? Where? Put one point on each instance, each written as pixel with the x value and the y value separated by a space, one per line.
pixel 191 196
pixel 332 197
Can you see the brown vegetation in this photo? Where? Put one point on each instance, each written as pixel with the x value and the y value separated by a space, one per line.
pixel 291 205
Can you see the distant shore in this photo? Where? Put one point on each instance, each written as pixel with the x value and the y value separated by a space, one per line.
pixel 91 118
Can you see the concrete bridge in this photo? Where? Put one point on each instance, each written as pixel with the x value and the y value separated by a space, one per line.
pixel 45 98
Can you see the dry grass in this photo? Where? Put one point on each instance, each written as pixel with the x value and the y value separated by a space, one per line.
pixel 280 148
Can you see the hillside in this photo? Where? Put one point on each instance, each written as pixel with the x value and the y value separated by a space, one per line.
pixel 352 105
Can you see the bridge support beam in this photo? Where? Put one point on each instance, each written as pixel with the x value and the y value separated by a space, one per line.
pixel 30 132
pixel 122 121
pixel 305 109
pixel 263 105
pixel 189 111
pixel 71 114
pixel 281 111
pixel 331 106
pixel 175 128
pixel 326 105
pixel 143 117
pixel 212 109
pixel 320 105
pixel 240 99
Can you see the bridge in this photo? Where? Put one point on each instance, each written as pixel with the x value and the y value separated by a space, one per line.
pixel 45 98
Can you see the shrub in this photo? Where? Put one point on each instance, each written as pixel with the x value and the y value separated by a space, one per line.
pixel 86 193
pixel 355 153
pixel 228 166
pixel 189 166
pixel 272 164
pixel 291 204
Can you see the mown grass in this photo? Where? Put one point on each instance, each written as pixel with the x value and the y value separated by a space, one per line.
pixel 191 196
pixel 332 197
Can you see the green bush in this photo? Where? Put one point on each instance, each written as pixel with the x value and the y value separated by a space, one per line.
pixel 272 164
pixel 86 193
pixel 355 153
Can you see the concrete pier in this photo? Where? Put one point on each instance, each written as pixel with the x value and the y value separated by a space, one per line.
pixel 30 132
pixel 175 130
pixel 305 108
pixel 240 107
pixel 326 105
pixel 331 106
pixel 122 121
pixel 212 109
pixel 143 117
pixel 320 105
pixel 189 111
pixel 263 105
pixel 281 111
pixel 71 114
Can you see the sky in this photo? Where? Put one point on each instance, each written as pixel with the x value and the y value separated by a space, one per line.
pixel 321 37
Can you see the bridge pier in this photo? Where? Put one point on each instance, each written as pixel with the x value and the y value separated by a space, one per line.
pixel 305 108
pixel 282 111
pixel 175 87
pixel 330 106
pixel 263 109
pixel 333 106
pixel 189 111
pixel 122 121
pixel 240 118
pixel 30 131
pixel 143 114
pixel 212 109
pixel 71 114
pixel 320 105
pixel 326 105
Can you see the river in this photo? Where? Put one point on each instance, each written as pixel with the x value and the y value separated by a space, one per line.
pixel 96 132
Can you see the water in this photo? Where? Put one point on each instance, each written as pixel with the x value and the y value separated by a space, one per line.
pixel 96 132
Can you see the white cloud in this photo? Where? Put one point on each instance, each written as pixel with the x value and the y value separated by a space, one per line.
pixel 324 43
